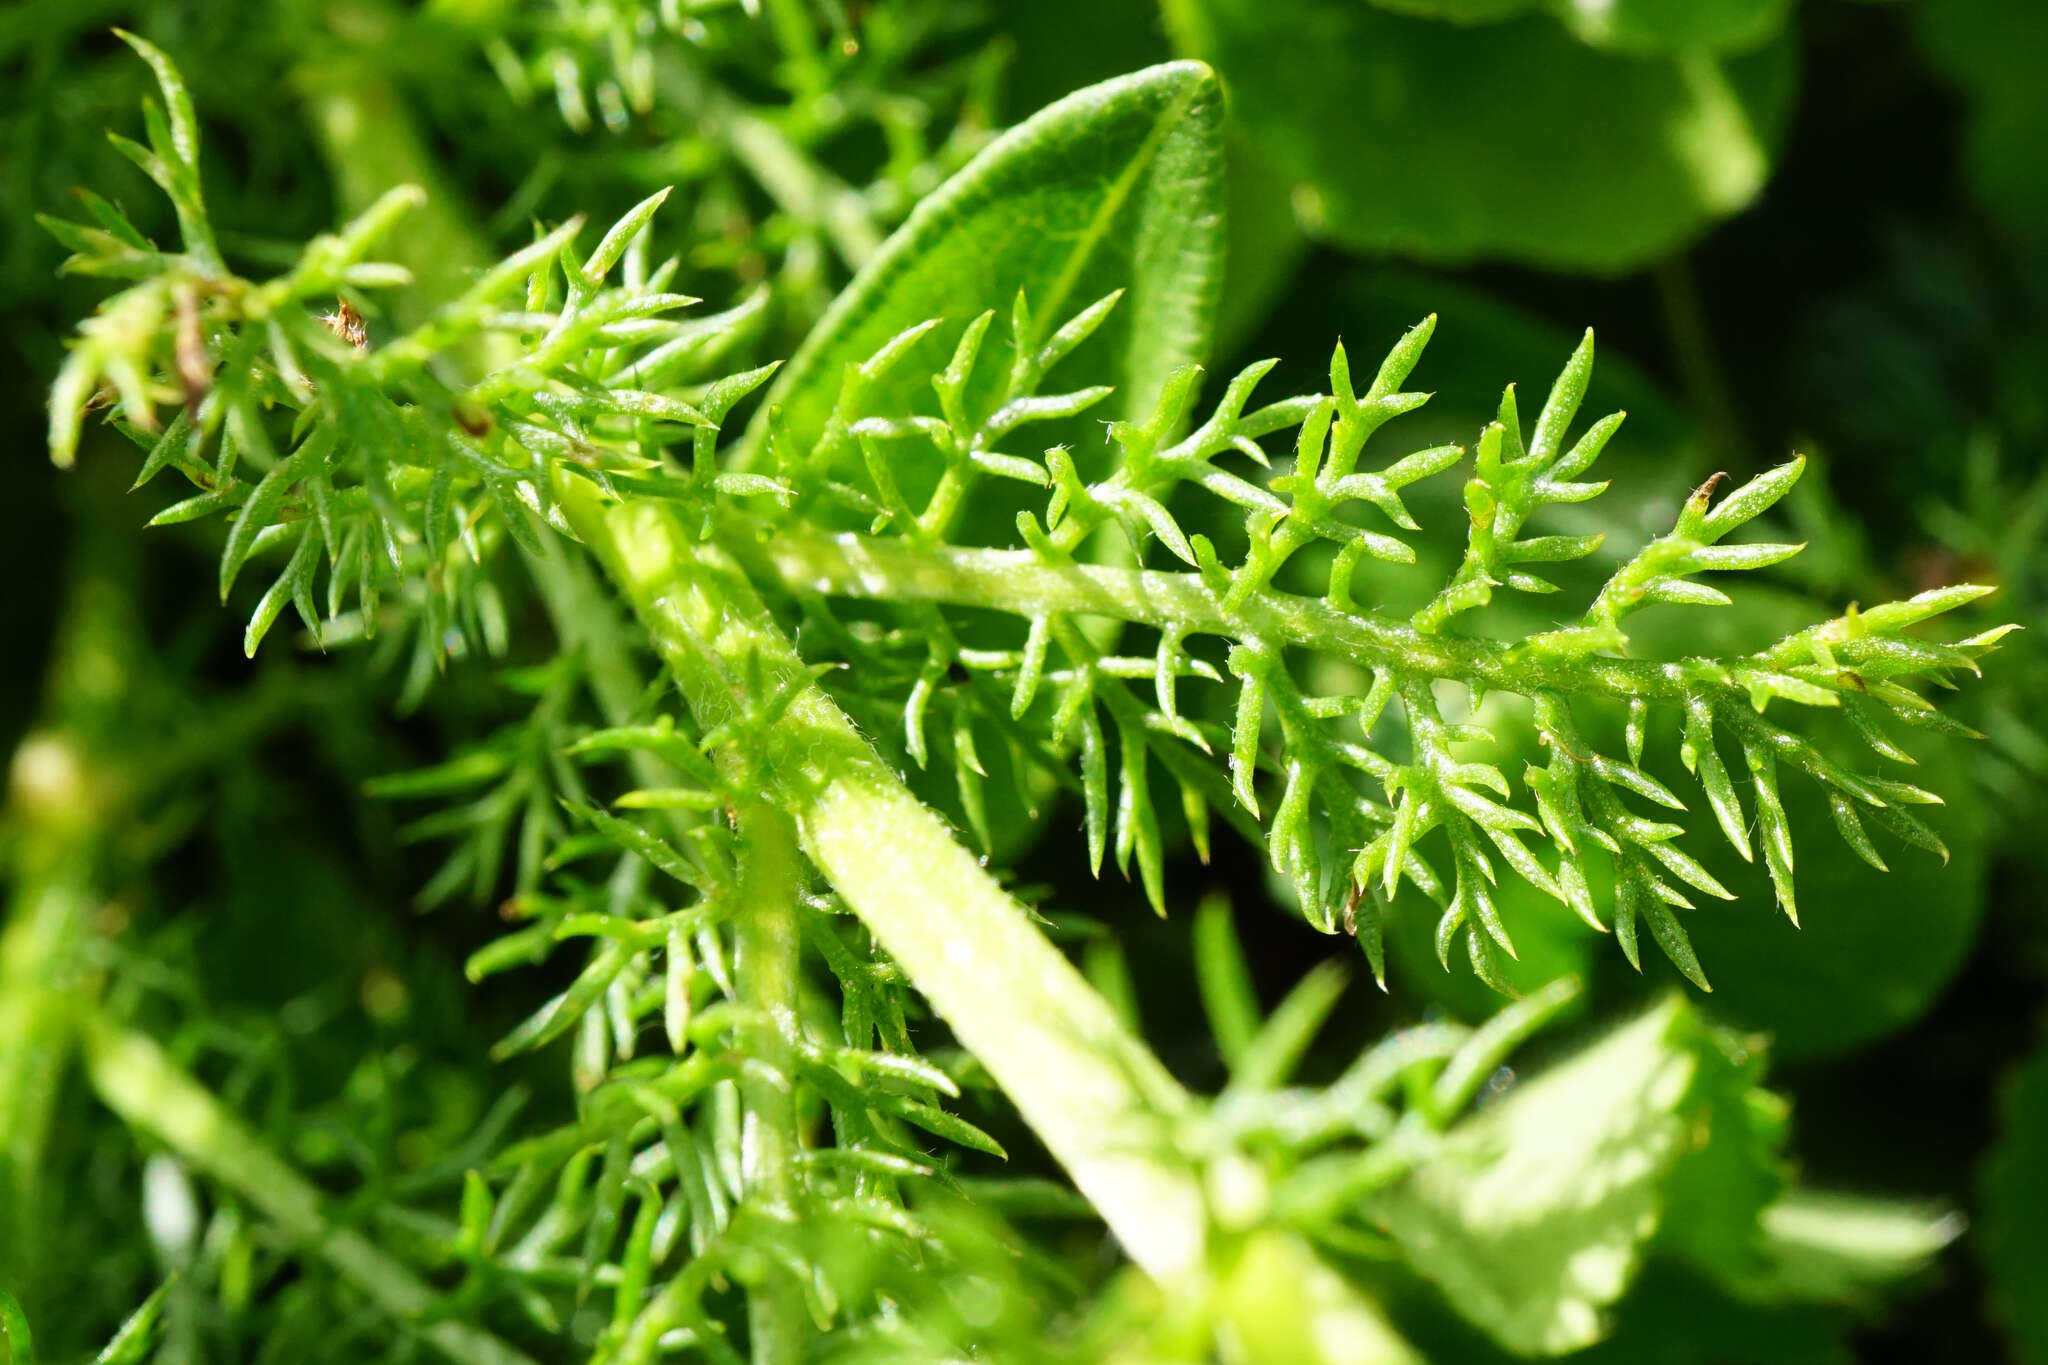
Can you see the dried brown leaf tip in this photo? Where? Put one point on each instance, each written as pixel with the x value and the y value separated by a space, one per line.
pixel 471 418
pixel 194 367
pixel 346 323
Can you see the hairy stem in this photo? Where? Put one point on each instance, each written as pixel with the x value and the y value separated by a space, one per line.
pixel 1020 583
pixel 767 964
pixel 1094 1094
pixel 139 1081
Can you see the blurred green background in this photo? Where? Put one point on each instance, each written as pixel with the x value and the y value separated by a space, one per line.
pixel 1819 226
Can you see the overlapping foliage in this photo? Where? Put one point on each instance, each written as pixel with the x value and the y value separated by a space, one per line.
pixel 930 539
pixel 1345 851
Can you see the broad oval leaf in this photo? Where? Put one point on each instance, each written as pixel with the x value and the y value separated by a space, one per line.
pixel 2014 1237
pixel 1649 27
pixel 1992 52
pixel 1118 186
pixel 1511 140
pixel 1533 1218
pixel 1644 27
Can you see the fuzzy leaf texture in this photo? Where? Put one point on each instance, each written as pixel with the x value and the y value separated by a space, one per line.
pixel 412 497
pixel 919 559
pixel 405 486
pixel 1355 793
pixel 1117 187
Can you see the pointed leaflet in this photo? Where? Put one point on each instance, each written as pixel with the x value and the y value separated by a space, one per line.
pixel 132 1342
pixel 1824 1247
pixel 1116 186
pixel 1225 981
pixel 14 1330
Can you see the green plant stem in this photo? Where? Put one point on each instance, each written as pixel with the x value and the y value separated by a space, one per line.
pixel 73 787
pixel 766 965
pixel 1095 1096
pixel 38 968
pixel 42 986
pixel 1020 583
pixel 62 800
pixel 794 26
pixel 62 806
pixel 140 1082
pixel 801 188
pixel 370 144
pixel 587 621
